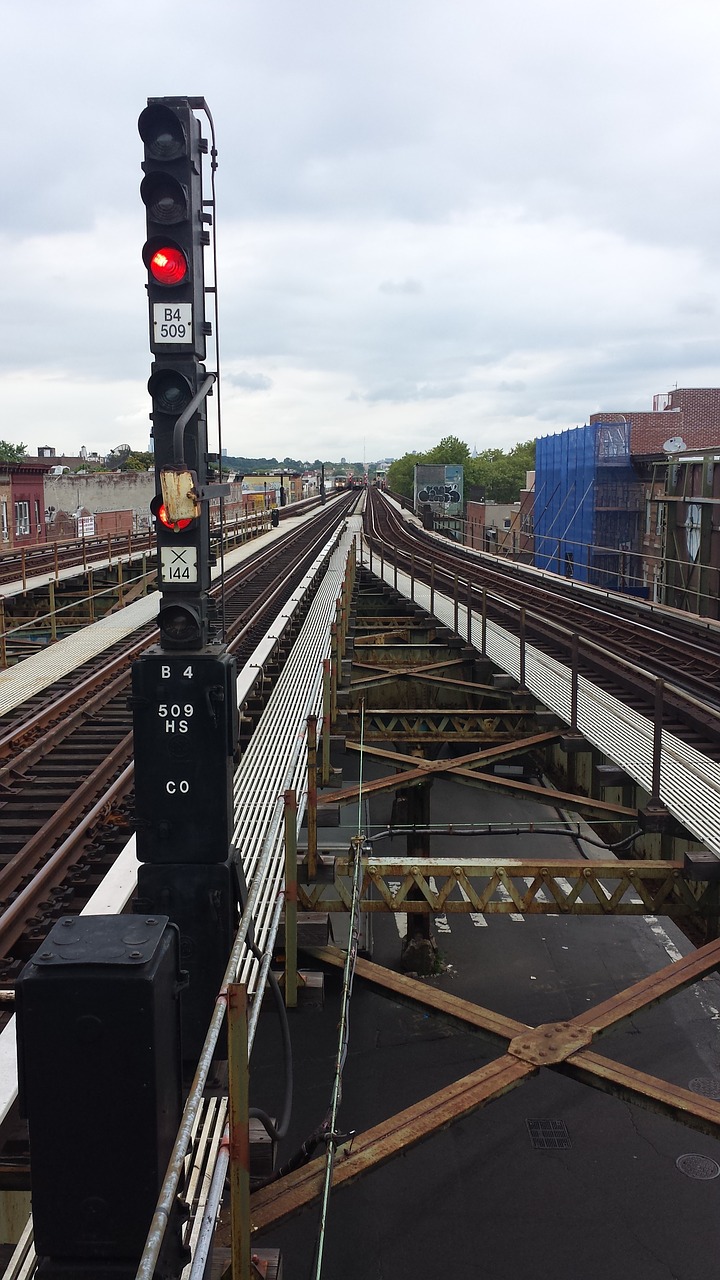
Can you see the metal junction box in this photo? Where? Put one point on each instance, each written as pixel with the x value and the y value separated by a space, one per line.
pixel 100 1082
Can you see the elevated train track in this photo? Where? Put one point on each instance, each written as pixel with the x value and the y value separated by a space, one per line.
pixel 277 760
pixel 57 555
pixel 617 642
pixel 257 797
pixel 66 770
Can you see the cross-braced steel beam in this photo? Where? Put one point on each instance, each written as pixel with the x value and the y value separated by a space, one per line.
pixel 563 1046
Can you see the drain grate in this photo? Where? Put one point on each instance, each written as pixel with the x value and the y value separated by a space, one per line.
pixel 548 1134
pixel 708 1086
pixel 695 1166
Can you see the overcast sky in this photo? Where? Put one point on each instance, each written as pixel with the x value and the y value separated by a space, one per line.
pixel 482 218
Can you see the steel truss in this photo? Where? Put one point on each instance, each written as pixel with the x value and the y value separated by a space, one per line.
pixel 562 1046
pixel 505 885
pixel 508 885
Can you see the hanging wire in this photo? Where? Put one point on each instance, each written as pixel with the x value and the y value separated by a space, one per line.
pixel 362 744
pixel 333 1139
pixel 199 104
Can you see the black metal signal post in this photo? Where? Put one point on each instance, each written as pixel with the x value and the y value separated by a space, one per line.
pixel 184 704
pixel 177 233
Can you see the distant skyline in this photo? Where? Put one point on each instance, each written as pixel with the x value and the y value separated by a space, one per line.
pixel 470 219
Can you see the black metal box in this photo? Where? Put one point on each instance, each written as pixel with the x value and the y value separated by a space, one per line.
pixel 185 726
pixel 202 902
pixel 100 1080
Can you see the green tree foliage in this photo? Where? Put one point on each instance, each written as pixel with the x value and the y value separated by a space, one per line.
pixel 501 475
pixel 12 452
pixel 449 450
pixel 400 473
pixel 138 461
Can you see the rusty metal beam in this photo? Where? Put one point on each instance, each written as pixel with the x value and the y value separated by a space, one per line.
pixel 558 1040
pixel 384 674
pixel 442 724
pixel 526 1055
pixel 530 886
pixel 546 795
pixel 400 986
pixel 374 1147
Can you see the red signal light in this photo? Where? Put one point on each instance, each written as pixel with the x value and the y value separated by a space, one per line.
pixel 161 514
pixel 168 265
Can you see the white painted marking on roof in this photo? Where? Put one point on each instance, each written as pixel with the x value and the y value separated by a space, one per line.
pixel 477 917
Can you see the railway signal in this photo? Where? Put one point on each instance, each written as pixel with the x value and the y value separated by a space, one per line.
pixel 177 234
pixel 171 191
pixel 184 698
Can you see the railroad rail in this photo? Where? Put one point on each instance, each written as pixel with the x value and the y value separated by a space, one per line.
pixel 276 759
pixel 66 769
pixel 25 562
pixel 638 653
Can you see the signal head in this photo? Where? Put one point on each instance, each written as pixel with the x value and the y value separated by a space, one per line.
pixel 160 512
pixel 182 625
pixel 162 132
pixel 165 199
pixel 170 390
pixel 166 262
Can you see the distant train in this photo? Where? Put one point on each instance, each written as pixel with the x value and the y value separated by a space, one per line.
pixel 349 481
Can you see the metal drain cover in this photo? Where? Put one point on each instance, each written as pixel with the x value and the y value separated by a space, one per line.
pixel 702 1167
pixel 549 1134
pixel 708 1086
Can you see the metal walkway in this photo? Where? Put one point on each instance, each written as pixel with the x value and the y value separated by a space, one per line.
pixel 275 761
pixel 689 781
pixel 31 675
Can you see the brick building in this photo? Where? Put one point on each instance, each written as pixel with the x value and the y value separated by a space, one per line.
pixel 22 503
pixel 627 502
pixel 690 414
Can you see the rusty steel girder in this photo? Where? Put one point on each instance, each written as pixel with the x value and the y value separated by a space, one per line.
pixel 443 725
pixel 515 885
pixel 466 767
pixel 564 1046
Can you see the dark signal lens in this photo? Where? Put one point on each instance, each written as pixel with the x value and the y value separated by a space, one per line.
pixel 168 265
pixel 171 392
pixel 162 133
pixel 164 198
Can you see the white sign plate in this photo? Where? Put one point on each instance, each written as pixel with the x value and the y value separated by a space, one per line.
pixel 178 564
pixel 172 322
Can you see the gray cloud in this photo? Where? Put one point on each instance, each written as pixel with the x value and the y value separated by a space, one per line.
pixel 407 392
pixel 249 381
pixel 541 183
pixel 401 286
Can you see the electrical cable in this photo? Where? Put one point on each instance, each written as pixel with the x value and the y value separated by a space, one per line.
pixel 333 1138
pixel 277 1131
pixel 199 104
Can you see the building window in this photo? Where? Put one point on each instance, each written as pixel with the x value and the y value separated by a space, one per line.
pixel 5 528
pixel 22 519
pixel 38 522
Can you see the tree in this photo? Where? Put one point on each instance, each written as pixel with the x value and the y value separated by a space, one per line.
pixel 12 452
pixel 449 450
pixel 400 473
pixel 502 475
pixel 137 461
